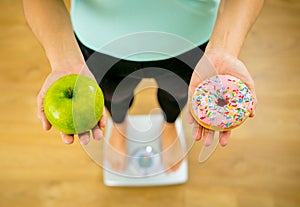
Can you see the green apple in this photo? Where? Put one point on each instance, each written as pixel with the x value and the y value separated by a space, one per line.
pixel 73 104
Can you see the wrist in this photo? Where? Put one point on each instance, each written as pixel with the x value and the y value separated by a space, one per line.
pixel 219 60
pixel 224 46
pixel 66 59
pixel 66 55
pixel 71 64
pixel 216 56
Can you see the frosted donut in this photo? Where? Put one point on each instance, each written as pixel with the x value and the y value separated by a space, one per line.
pixel 221 103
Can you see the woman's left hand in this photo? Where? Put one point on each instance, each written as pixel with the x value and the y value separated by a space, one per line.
pixel 217 63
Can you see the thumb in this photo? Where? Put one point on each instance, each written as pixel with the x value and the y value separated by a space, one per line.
pixel 40 114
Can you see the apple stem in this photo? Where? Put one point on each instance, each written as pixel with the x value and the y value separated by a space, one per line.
pixel 70 92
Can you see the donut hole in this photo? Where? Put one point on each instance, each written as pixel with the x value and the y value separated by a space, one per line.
pixel 221 102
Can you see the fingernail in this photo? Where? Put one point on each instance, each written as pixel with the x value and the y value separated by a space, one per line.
pixel 98 135
pixel 207 142
pixel 66 140
pixel 84 140
pixel 223 142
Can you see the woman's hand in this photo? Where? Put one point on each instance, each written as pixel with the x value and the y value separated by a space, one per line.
pixel 234 20
pixel 68 138
pixel 50 22
pixel 213 63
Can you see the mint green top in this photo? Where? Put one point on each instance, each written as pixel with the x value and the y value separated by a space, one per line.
pixel 143 30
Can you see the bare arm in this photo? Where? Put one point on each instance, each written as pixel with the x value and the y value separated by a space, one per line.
pixel 235 18
pixel 50 22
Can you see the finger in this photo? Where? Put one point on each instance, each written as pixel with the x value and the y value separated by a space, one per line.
pixel 40 114
pixel 208 136
pixel 253 107
pixel 97 133
pixel 84 138
pixel 197 132
pixel 224 138
pixel 102 122
pixel 46 124
pixel 252 114
pixel 250 84
pixel 67 138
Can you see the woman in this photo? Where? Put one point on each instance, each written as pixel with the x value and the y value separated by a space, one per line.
pixel 219 28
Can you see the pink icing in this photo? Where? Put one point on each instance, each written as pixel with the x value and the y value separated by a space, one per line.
pixel 222 102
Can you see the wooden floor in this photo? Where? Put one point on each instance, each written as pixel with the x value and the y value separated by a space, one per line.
pixel 260 166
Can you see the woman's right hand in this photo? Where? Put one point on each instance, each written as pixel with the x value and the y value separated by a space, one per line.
pixel 68 138
pixel 51 24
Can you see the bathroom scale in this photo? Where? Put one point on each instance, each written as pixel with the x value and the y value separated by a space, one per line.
pixel 144 161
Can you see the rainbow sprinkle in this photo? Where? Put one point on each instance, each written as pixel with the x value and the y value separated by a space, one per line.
pixel 239 101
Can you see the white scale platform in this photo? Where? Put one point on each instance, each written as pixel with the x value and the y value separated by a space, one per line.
pixel 144 166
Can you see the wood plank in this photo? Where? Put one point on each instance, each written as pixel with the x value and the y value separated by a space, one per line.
pixel 260 166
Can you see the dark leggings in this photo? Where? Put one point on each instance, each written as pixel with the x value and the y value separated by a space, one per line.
pixel 118 78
